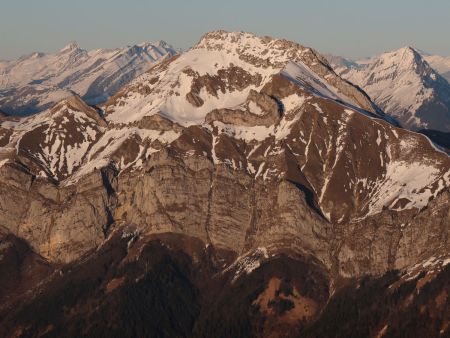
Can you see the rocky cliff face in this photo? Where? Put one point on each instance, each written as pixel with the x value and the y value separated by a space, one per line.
pixel 251 147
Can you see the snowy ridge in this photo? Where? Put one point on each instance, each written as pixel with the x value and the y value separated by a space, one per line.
pixel 109 146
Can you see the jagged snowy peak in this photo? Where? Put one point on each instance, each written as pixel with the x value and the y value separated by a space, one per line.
pixel 37 81
pixel 69 48
pixel 268 52
pixel 404 85
pixel 55 141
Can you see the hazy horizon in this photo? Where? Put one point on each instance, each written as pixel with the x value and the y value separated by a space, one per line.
pixel 340 28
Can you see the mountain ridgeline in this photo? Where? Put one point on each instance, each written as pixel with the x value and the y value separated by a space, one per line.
pixel 38 81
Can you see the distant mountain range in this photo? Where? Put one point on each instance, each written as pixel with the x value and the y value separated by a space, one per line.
pixel 38 81
pixel 404 85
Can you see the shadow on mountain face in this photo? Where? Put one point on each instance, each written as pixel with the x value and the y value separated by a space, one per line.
pixel 175 286
pixel 168 290
pixel 439 137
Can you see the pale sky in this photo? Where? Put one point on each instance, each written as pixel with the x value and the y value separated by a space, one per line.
pixel 341 27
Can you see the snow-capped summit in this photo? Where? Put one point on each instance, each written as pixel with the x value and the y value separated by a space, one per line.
pixel 404 85
pixel 69 47
pixel 220 71
pixel 36 82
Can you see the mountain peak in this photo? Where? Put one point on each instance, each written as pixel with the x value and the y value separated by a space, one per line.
pixel 412 52
pixel 404 85
pixel 221 69
pixel 241 39
pixel 220 34
pixel 70 47
pixel 262 51
pixel 158 46
pixel 158 43
pixel 75 101
pixel 408 49
pixel 404 56
pixel 162 44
